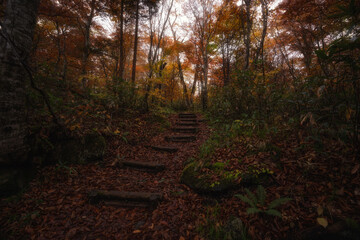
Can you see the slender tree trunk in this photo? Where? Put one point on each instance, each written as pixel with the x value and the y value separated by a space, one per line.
pixel 265 14
pixel 121 60
pixel 247 33
pixel 133 75
pixel 181 74
pixel 16 35
pixel 64 70
pixel 205 81
pixel 193 88
pixel 86 52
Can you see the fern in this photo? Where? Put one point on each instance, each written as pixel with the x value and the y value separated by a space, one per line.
pixel 252 210
pixel 259 199
pixel 278 202
pixel 252 197
pixel 261 195
pixel 246 200
pixel 273 212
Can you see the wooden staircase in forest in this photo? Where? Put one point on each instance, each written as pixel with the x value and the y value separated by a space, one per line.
pixel 185 123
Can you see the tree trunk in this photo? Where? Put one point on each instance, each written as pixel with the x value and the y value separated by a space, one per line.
pixel 16 35
pixel 205 75
pixel 133 75
pixel 247 33
pixel 265 14
pixel 86 52
pixel 181 74
pixel 122 60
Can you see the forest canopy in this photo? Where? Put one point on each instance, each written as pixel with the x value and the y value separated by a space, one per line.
pixel 265 60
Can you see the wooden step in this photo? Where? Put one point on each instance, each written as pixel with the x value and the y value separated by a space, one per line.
pixel 185 129
pixel 187 115
pixel 191 120
pixel 193 124
pixel 164 149
pixel 156 167
pixel 125 199
pixel 181 138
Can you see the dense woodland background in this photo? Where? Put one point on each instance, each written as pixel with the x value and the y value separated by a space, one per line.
pixel 279 74
pixel 267 62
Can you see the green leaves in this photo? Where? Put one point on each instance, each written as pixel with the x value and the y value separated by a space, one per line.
pixel 261 195
pixel 273 212
pixel 246 200
pixel 252 210
pixel 278 202
pixel 257 202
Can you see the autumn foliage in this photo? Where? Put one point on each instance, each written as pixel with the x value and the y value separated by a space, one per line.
pixel 277 87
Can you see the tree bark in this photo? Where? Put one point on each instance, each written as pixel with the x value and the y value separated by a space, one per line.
pixel 86 52
pixel 121 60
pixel 247 33
pixel 16 36
pixel 265 14
pixel 133 75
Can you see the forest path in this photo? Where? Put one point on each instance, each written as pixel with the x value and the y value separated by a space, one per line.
pixel 57 206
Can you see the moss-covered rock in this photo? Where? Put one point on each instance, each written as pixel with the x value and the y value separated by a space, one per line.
pixel 235 229
pixel 89 148
pixel 94 147
pixel 202 183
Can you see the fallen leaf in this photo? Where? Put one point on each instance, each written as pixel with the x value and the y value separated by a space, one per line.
pixel 323 222
pixel 137 231
pixel 340 192
pixel 355 169
pixel 320 210
pixel 357 192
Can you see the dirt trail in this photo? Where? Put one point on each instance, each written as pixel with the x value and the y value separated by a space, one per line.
pixel 57 206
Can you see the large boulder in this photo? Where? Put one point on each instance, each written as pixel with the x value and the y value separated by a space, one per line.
pixel 202 183
pixel 235 229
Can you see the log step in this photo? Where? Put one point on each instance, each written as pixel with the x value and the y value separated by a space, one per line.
pixel 144 165
pixel 164 149
pixel 125 199
pixel 187 115
pixel 193 124
pixel 184 138
pixel 191 120
pixel 185 129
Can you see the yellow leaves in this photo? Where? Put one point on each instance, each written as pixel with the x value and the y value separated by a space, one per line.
pixel 320 210
pixel 322 221
pixel 74 127
pixel 348 113
pixel 355 169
